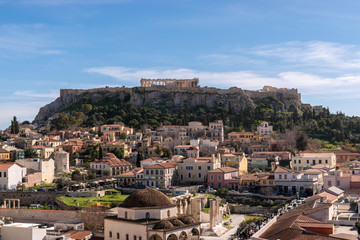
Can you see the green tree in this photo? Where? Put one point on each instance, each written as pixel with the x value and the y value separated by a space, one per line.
pixel 31 153
pixel 357 225
pixel 301 142
pixel 139 158
pixel 14 129
pixel 100 153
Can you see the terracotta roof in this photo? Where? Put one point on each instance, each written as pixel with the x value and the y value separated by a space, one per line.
pixel 283 170
pixel 8 165
pixel 111 160
pixel 224 170
pixel 3 150
pixel 147 197
pixel 249 177
pixel 163 165
pixel 79 235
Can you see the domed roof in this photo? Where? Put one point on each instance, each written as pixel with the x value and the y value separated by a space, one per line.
pixel 147 197
pixel 177 223
pixel 163 224
pixel 187 219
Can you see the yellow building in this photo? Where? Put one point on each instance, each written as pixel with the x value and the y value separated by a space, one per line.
pixel 122 147
pixel 305 160
pixel 4 155
pixel 244 137
pixel 237 160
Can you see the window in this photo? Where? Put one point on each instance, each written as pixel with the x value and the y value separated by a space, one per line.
pixel 134 237
pixel 280 176
pixel 189 167
pixel 199 175
pixel 4 174
pixel 295 168
pixel 285 176
pixel 168 213
pixel 126 216
pixel 110 234
pixel 212 177
pixel 147 215
pixel 127 236
pixel 326 161
pixel 208 167
pixel 219 184
pixel 161 173
pixel 199 167
pixel 320 161
pixel 219 177
pixel 329 183
pixel 294 161
pixel 307 161
pixel 118 236
pixel 181 177
pixel 140 238
pixel 338 183
pixel 314 162
pixel 0 174
pixel 152 172
pixel 147 172
pixel 189 175
pixel 156 172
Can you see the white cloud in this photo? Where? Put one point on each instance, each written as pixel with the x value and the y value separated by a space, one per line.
pixel 314 53
pixel 33 94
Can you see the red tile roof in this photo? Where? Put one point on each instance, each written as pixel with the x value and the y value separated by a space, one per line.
pixel 111 160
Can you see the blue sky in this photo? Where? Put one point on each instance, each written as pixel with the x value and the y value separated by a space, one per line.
pixel 46 45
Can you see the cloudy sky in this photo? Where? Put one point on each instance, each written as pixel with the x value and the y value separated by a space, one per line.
pixel 46 45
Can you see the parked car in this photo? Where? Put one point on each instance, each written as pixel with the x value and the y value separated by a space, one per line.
pixel 41 190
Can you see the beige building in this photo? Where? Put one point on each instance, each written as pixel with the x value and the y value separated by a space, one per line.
pixel 194 170
pixel 111 165
pixel 237 160
pixel 160 175
pixel 304 160
pixel 149 214
pixel 114 131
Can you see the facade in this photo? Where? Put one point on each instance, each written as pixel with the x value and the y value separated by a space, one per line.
pixel 110 163
pixel 161 175
pixel 264 129
pixel 4 154
pixel 46 167
pixel 304 160
pixel 10 175
pixel 114 131
pixel 225 177
pixel 289 182
pixel 238 161
pixel 216 130
pixel 246 137
pixel 150 215
pixel 61 159
pixel 194 170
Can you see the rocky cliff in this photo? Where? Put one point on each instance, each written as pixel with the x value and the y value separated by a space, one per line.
pixel 176 98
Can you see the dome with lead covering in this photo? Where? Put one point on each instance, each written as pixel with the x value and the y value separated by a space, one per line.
pixel 147 197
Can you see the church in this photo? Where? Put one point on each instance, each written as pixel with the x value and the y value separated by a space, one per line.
pixel 149 214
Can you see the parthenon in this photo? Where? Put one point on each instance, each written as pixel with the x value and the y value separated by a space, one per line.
pixel 182 83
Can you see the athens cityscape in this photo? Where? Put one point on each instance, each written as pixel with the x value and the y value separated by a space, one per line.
pixel 179 120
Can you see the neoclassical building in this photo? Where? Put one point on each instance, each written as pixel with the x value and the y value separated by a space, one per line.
pixel 110 163
pixel 148 214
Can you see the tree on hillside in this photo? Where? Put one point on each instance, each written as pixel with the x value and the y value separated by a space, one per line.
pixel 301 142
pixel 14 129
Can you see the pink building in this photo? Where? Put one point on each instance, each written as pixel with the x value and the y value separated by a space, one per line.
pixel 338 179
pixel 225 177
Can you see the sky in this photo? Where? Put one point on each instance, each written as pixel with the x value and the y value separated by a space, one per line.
pixel 47 45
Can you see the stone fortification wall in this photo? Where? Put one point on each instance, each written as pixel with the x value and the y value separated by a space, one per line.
pixel 176 98
pixel 39 216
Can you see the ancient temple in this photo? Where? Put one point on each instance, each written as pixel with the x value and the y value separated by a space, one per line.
pixel 180 83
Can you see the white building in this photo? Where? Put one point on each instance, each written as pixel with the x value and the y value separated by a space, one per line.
pixel 23 231
pixel 289 182
pixel 10 175
pixel 149 214
pixel 46 167
pixel 111 164
pixel 264 129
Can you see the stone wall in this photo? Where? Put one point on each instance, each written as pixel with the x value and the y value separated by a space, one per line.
pixel 27 198
pixel 244 209
pixel 39 216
